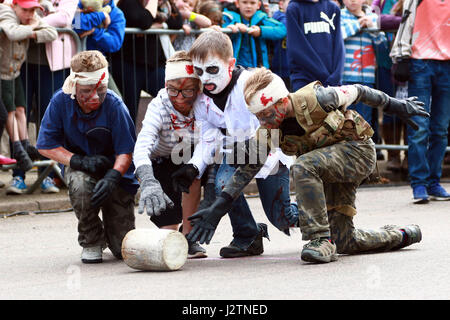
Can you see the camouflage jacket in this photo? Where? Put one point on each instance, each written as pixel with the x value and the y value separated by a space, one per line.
pixel 321 128
pixel 314 128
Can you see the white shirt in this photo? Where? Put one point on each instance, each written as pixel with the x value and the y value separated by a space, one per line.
pixel 240 123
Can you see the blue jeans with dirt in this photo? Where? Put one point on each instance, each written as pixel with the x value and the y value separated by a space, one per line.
pixel 275 199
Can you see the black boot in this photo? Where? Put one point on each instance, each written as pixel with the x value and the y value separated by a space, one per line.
pixel 255 248
pixel 23 160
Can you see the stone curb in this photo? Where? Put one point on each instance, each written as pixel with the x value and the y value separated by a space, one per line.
pixel 35 205
pixel 61 203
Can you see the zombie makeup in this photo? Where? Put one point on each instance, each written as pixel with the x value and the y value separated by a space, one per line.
pixel 268 96
pixel 90 97
pixel 273 116
pixel 182 94
pixel 214 73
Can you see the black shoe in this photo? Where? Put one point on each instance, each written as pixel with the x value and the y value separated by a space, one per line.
pixel 256 247
pixel 196 251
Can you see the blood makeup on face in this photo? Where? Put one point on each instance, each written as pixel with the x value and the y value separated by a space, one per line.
pixel 180 103
pixel 214 73
pixel 271 117
pixel 90 97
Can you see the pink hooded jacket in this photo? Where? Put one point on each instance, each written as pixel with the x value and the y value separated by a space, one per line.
pixel 61 51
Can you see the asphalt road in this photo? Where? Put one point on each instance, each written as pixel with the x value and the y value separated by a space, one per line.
pixel 40 259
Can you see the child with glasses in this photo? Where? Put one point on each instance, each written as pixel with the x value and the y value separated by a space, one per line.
pixel 164 144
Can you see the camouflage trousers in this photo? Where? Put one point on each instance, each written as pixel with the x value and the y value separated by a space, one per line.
pixel 326 180
pixel 117 213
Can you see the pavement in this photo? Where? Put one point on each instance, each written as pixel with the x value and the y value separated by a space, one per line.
pixel 40 259
pixel 38 201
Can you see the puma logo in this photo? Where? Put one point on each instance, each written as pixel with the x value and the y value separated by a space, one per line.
pixel 321 26
pixel 324 16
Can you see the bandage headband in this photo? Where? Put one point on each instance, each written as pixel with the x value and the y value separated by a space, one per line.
pixel 180 69
pixel 96 77
pixel 268 96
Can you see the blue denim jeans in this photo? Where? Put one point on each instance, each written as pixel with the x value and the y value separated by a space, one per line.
pixel 274 195
pixel 430 82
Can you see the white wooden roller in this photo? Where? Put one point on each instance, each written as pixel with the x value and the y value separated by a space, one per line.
pixel 154 249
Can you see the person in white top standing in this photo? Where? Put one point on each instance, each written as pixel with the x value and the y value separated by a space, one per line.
pixel 167 131
pixel 222 107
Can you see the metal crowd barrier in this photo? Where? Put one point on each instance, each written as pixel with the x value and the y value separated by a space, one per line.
pixel 74 35
pixel 49 165
pixel 81 46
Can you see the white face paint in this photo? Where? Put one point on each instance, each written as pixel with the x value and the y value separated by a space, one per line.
pixel 214 74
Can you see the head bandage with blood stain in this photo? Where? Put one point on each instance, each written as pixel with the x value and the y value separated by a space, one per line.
pixel 268 96
pixel 180 69
pixel 84 78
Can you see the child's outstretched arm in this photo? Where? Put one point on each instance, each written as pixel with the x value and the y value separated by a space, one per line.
pixel 272 29
pixel 44 32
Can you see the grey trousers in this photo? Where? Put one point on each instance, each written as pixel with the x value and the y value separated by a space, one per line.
pixel 117 213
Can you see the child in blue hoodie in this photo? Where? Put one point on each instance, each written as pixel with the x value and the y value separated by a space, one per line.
pixel 104 31
pixel 106 38
pixel 315 47
pixel 251 28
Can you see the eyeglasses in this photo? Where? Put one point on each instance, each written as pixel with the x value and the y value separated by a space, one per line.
pixel 187 93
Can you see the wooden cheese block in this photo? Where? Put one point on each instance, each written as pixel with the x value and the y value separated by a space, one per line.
pixel 154 249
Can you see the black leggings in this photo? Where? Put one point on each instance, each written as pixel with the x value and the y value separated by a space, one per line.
pixel 3 114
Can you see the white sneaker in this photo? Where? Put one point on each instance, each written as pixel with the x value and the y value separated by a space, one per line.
pixel 16 186
pixel 92 255
pixel 47 186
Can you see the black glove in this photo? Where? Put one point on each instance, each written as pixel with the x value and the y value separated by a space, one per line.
pixel 94 165
pixel 205 221
pixel 209 196
pixel 405 109
pixel 183 178
pixel 104 187
pixel 401 70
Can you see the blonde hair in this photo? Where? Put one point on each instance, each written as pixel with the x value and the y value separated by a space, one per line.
pixel 260 78
pixel 212 43
pixel 88 61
